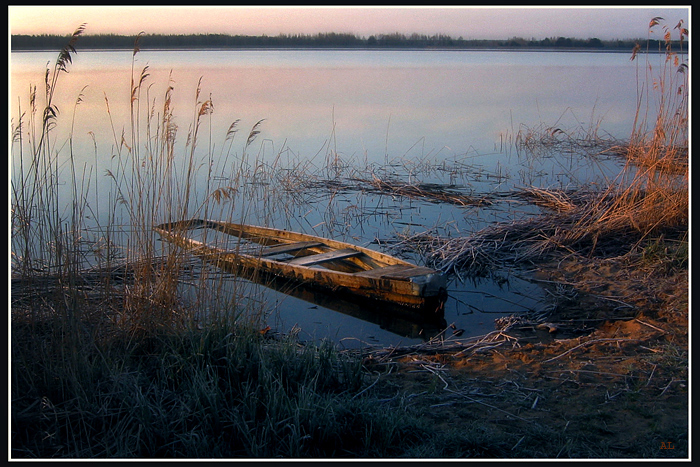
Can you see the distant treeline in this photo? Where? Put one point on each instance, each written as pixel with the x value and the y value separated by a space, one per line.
pixel 324 40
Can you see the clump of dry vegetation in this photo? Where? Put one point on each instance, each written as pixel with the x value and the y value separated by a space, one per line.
pixel 648 200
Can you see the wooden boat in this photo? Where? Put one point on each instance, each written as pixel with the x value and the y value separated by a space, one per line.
pixel 328 264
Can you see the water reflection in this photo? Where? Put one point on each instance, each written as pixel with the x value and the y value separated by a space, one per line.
pixel 413 323
pixel 373 104
pixel 436 117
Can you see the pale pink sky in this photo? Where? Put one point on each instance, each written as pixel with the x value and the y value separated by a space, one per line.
pixel 470 23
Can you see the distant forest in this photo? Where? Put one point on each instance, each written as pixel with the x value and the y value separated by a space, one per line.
pixel 324 40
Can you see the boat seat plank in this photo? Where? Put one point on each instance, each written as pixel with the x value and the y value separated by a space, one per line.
pixel 324 257
pixel 288 248
pixel 396 271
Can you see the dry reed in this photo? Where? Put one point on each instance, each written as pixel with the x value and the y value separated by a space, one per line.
pixel 647 199
pixel 432 192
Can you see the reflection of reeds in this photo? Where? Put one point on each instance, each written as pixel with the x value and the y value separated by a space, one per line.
pixel 559 138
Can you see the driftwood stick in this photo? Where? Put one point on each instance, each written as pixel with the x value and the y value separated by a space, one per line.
pixel 594 341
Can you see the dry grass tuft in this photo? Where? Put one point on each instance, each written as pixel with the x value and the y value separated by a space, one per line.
pixel 648 199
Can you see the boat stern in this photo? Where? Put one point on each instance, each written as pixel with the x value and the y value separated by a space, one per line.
pixel 431 285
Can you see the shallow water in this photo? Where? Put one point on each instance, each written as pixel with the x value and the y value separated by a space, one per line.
pixel 333 120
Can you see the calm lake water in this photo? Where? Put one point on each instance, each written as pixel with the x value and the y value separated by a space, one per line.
pixel 443 117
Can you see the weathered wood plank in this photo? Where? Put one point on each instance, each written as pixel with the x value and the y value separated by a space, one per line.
pixel 380 272
pixel 288 248
pixel 396 271
pixel 324 257
pixel 410 272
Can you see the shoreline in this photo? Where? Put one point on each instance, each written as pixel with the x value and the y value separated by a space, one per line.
pixel 362 49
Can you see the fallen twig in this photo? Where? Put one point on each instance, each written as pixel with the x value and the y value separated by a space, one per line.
pixel 594 341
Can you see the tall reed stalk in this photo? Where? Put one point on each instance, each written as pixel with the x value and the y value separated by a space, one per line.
pixel 41 236
pixel 657 195
pixel 124 384
pixel 660 132
pixel 149 184
pixel 647 200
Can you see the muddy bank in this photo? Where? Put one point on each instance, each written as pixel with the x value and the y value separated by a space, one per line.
pixel 605 376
